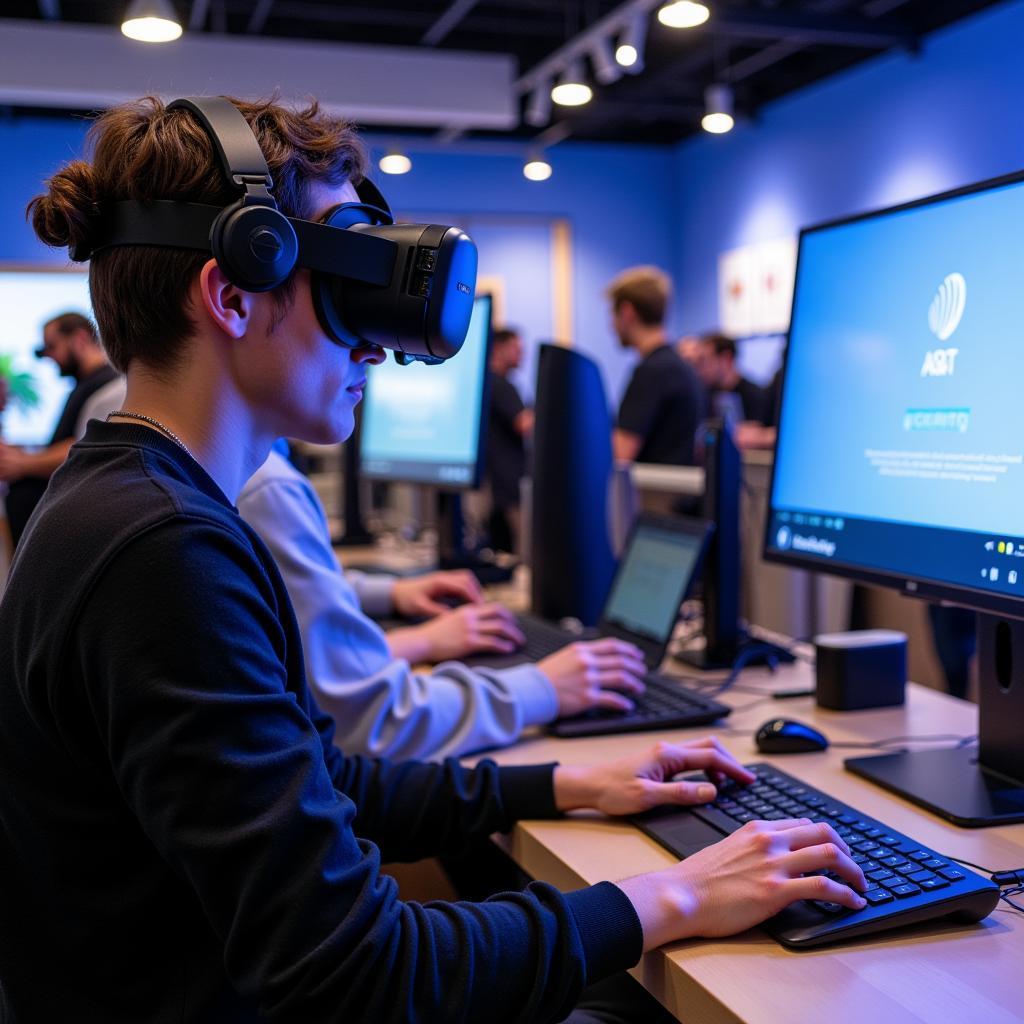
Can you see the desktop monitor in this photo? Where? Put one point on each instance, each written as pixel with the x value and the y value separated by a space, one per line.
pixel 427 424
pixel 571 554
pixel 900 455
pixel 29 297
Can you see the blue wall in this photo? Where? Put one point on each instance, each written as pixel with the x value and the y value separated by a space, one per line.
pixel 619 201
pixel 894 129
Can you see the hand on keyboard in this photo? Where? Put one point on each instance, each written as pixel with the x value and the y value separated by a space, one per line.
pixel 634 784
pixel 744 879
pixel 469 629
pixel 588 673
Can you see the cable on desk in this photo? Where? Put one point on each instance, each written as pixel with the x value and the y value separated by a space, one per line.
pixel 1011 883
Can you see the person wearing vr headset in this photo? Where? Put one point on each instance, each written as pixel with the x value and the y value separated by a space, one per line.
pixel 179 837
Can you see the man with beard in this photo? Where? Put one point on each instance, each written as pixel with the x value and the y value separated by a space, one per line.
pixel 72 342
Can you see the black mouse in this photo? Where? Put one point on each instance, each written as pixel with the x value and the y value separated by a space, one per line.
pixel 786 736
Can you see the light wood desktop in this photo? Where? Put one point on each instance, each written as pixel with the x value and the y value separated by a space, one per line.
pixel 933 973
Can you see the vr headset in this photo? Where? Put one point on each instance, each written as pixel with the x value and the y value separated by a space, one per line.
pixel 405 287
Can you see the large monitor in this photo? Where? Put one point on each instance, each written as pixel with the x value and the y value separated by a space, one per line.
pixel 29 297
pixel 426 424
pixel 900 456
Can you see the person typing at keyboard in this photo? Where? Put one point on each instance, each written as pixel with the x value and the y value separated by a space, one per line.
pixel 363 677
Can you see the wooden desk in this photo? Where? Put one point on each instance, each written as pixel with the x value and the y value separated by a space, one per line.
pixel 930 974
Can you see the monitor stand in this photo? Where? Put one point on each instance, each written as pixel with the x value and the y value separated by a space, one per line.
pixel 451 543
pixel 746 652
pixel 971 786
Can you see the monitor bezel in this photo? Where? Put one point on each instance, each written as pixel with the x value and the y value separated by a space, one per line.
pixel 479 466
pixel 922 587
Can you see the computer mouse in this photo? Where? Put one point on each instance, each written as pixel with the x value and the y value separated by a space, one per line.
pixel 787 736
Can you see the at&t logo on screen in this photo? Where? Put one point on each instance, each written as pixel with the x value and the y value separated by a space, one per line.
pixel 944 316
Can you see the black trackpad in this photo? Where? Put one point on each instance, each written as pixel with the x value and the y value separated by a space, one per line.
pixel 677 830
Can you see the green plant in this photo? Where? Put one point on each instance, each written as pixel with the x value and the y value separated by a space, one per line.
pixel 21 384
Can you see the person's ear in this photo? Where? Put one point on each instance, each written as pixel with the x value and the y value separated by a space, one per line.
pixel 228 306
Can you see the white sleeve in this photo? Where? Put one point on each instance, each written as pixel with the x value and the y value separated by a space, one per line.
pixel 380 706
pixel 100 404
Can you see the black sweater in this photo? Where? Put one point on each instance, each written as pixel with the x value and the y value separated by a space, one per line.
pixel 179 838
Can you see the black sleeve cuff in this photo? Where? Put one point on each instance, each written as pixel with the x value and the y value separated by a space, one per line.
pixel 611 933
pixel 528 791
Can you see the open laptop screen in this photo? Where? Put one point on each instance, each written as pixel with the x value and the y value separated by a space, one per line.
pixel 654 576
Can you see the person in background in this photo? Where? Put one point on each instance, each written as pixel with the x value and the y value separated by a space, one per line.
pixel 72 342
pixel 362 676
pixel 509 428
pixel 662 405
pixel 715 362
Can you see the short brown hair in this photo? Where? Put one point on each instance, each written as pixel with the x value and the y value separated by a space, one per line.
pixel 68 323
pixel 647 289
pixel 143 151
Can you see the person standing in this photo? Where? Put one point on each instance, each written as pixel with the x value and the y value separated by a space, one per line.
pixel 661 408
pixel 72 342
pixel 509 428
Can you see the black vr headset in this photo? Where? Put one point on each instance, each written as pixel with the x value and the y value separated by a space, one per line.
pixel 406 287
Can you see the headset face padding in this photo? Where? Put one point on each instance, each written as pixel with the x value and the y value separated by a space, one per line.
pixel 344 216
pixel 255 246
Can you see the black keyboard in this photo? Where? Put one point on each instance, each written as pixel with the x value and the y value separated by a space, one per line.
pixel 907 881
pixel 665 704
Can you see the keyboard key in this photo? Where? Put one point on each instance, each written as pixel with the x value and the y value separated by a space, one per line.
pixel 877 896
pixel 934 863
pixel 903 891
pixel 887 840
pixel 952 874
pixel 894 860
pixel 879 874
pixel 919 855
pixel 931 884
pixel 920 876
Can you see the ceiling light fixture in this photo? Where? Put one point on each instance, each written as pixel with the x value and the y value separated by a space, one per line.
pixel 629 54
pixel 536 168
pixel 606 70
pixel 571 90
pixel 683 14
pixel 717 117
pixel 395 162
pixel 151 21
pixel 538 107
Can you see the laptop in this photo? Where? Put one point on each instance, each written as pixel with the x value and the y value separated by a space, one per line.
pixel 659 566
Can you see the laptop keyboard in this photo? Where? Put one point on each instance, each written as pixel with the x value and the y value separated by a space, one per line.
pixel 665 704
pixel 907 881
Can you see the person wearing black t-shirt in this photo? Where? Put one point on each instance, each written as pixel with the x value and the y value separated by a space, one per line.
pixel 661 407
pixel 509 427
pixel 72 342
pixel 728 390
pixel 180 838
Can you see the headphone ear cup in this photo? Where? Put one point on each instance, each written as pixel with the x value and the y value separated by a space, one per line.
pixel 255 246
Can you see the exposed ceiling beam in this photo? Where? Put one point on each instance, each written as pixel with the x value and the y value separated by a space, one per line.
pixel 455 13
pixel 93 67
pixel 50 9
pixel 259 16
pixel 809 29
pixel 197 16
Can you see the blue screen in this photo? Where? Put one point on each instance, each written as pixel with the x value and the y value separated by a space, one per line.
pixel 901 441
pixel 422 423
pixel 656 571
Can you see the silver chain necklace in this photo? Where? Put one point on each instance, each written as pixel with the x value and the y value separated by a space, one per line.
pixel 159 426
